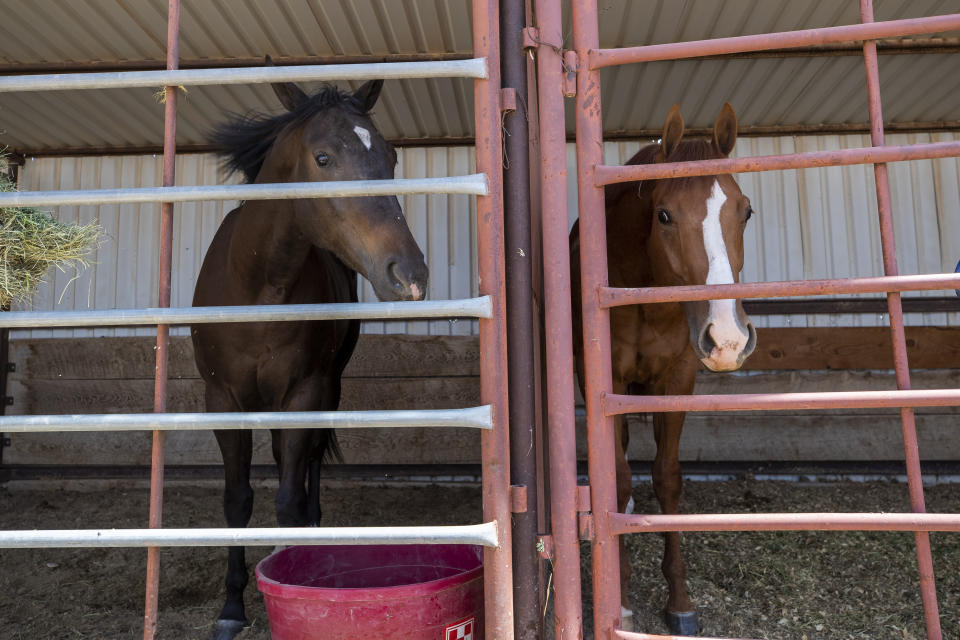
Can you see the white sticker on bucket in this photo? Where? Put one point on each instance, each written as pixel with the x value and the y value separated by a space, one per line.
pixel 462 630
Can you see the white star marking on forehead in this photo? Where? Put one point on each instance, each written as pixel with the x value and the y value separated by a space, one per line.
pixel 364 136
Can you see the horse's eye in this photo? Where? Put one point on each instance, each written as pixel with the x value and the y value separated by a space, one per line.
pixel 749 213
pixel 663 216
pixel 322 159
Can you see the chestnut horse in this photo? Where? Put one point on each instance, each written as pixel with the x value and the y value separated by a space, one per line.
pixel 679 231
pixel 295 251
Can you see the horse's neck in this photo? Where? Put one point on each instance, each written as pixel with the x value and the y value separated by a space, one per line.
pixel 267 247
pixel 628 228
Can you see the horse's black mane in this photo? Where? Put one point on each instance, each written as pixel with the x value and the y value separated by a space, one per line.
pixel 244 139
pixel 688 150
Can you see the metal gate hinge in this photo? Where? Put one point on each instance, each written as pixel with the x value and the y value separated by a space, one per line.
pixel 8 400
pixel 11 367
pixel 518 498
pixel 583 498
pixel 585 526
pixel 571 63
pixel 531 38
pixel 508 99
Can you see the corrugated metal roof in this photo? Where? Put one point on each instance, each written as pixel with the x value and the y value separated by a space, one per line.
pixel 766 91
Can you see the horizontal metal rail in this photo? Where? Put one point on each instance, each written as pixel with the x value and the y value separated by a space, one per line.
pixel 471 68
pixel 600 58
pixel 473 417
pixel 463 308
pixel 618 404
pixel 631 635
pixel 474 184
pixel 621 523
pixel 482 534
pixel 610 174
pixel 618 297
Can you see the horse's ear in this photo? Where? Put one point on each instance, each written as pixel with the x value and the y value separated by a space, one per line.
pixel 672 134
pixel 725 130
pixel 368 93
pixel 291 96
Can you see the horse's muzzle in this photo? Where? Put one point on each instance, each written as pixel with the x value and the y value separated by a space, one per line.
pixel 408 280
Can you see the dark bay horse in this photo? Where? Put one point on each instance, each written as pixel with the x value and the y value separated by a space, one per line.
pixel 671 232
pixel 295 251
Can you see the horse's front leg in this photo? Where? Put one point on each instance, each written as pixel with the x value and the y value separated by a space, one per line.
pixel 236 448
pixel 296 450
pixel 681 617
pixel 624 504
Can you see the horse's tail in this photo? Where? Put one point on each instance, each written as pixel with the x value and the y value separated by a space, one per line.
pixel 331 452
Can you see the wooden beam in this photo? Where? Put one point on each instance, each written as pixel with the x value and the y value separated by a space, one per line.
pixel 794 348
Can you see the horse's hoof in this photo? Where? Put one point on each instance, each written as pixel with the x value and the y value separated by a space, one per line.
pixel 683 624
pixel 227 629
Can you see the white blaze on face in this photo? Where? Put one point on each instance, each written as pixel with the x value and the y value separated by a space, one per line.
pixel 724 329
pixel 364 136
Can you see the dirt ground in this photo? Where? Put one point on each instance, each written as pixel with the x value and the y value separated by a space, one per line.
pixel 792 586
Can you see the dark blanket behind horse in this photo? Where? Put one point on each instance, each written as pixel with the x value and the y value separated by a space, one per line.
pixel 295 252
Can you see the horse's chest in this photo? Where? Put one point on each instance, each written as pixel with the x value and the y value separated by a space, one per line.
pixel 660 349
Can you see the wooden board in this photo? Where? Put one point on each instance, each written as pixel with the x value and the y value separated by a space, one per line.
pixel 101 375
pixel 852 348
pixel 133 358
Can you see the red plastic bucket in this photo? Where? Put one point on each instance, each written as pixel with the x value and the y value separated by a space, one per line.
pixel 394 592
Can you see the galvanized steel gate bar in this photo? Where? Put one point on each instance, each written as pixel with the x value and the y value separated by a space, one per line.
pixel 489 308
pixel 602 405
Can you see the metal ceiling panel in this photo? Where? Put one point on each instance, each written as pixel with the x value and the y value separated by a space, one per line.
pixel 766 90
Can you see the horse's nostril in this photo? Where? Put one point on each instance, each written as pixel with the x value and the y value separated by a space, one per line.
pixel 396 281
pixel 706 342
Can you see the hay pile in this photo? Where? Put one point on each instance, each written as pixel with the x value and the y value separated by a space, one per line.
pixel 31 241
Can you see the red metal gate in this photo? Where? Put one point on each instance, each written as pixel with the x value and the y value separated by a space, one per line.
pixel 599 519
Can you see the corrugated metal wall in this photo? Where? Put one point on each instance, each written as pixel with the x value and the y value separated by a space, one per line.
pixel 123 273
pixel 815 223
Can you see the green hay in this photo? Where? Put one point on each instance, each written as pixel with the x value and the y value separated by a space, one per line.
pixel 31 241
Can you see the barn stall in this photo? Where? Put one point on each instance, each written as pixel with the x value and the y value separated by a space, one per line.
pixel 830 344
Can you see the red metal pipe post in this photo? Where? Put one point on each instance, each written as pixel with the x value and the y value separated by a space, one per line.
pixel 163 331
pixel 911 449
pixel 596 324
pixel 494 443
pixel 568 612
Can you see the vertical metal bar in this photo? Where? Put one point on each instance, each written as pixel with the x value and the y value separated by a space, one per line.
pixel 523 445
pixel 901 366
pixel 163 331
pixel 558 329
pixel 495 443
pixel 596 323
pixel 4 364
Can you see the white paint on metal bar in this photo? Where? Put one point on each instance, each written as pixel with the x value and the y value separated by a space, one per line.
pixel 473 184
pixel 481 534
pixel 465 308
pixel 472 68
pixel 472 417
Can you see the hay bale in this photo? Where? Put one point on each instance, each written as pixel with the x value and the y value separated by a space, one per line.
pixel 31 241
